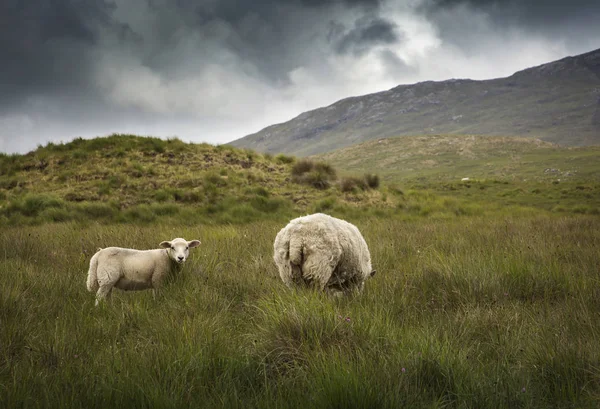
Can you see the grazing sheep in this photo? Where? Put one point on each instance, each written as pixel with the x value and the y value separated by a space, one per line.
pixel 129 269
pixel 324 252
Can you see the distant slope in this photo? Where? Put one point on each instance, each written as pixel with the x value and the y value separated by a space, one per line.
pixel 452 157
pixel 557 102
pixel 502 171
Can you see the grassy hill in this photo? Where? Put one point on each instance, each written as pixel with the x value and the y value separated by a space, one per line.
pixel 128 178
pixel 501 170
pixel 125 178
pixel 557 102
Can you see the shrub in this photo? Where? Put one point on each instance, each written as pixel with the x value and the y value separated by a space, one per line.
pixel 372 180
pixel 316 174
pixel 284 159
pixel 32 205
pixel 301 167
pixel 325 168
pixel 350 184
pixel 162 195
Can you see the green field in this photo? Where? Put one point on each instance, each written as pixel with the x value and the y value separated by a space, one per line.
pixel 474 313
pixel 502 171
pixel 478 301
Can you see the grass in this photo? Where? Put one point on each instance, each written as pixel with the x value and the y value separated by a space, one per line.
pixel 487 292
pixel 471 313
pixel 502 171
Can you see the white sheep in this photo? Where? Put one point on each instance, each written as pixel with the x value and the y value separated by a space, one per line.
pixel 323 252
pixel 129 269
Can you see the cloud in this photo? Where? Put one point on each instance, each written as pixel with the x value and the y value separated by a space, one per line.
pixel 367 32
pixel 216 70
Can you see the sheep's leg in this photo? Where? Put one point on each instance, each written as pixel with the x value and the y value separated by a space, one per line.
pixel 103 293
pixel 317 271
pixel 156 285
pixel 107 280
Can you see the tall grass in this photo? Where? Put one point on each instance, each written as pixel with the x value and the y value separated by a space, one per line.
pixel 468 313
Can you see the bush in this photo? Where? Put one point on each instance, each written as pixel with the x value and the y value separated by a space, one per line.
pixel 372 180
pixel 162 195
pixel 317 179
pixel 316 174
pixel 350 184
pixel 32 205
pixel 284 159
pixel 302 167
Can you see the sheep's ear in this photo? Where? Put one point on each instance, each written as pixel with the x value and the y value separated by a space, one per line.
pixel 165 244
pixel 194 243
pixel 373 273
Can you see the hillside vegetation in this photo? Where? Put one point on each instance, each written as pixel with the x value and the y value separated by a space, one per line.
pixel 502 171
pixel 557 102
pixel 132 179
pixel 128 178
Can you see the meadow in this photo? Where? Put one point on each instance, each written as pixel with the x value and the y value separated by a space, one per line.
pixel 482 298
pixel 474 312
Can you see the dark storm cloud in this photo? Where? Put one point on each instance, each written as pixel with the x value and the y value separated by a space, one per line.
pixel 536 13
pixel 43 45
pixel 473 25
pixel 366 33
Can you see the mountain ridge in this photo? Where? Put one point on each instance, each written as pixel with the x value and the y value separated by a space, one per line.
pixel 557 102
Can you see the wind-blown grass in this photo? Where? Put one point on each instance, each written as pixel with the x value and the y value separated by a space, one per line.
pixel 469 313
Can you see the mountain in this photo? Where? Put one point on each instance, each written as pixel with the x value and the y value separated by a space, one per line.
pixel 557 102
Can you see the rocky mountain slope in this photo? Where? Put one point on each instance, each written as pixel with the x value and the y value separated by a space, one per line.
pixel 557 102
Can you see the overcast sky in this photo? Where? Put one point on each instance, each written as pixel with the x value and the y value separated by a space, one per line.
pixel 216 70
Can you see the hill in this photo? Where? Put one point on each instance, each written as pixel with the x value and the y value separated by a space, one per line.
pixel 501 170
pixel 128 178
pixel 557 102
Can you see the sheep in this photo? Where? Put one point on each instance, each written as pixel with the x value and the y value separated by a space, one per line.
pixel 130 269
pixel 323 252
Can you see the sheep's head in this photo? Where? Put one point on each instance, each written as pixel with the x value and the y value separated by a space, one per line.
pixel 179 249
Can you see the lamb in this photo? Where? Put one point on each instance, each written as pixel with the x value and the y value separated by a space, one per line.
pixel 129 269
pixel 323 252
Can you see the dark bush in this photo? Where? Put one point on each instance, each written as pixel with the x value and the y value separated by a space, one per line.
pixel 284 159
pixel 350 184
pixel 301 167
pixel 316 174
pixel 372 180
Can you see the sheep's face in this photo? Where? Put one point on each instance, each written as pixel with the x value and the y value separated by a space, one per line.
pixel 179 249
